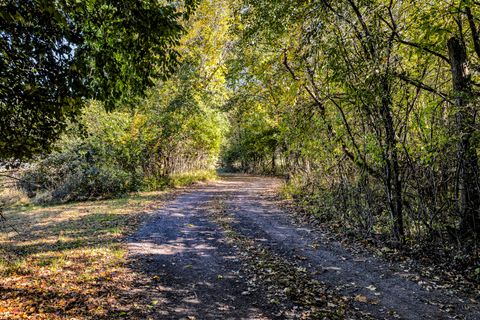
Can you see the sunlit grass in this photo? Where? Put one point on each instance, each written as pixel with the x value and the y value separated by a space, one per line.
pixel 179 180
pixel 68 261
pixel 186 179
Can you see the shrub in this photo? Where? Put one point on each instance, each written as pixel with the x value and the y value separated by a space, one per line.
pixel 74 175
pixel 110 154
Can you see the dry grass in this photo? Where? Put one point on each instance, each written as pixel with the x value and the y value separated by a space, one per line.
pixel 9 194
pixel 69 261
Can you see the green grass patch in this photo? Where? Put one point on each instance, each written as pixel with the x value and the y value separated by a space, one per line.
pixel 179 180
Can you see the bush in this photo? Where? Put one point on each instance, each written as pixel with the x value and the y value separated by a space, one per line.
pixel 110 154
pixel 72 176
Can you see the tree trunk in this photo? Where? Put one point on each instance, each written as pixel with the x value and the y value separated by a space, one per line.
pixel 393 183
pixel 469 202
pixel 274 165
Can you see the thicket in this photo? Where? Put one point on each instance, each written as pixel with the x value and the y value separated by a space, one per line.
pixel 110 154
pixel 56 54
pixel 369 109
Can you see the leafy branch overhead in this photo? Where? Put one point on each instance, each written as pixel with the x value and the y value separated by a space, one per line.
pixel 56 54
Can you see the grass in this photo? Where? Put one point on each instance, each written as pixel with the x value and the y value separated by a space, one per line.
pixel 187 179
pixel 179 180
pixel 69 261
pixel 9 194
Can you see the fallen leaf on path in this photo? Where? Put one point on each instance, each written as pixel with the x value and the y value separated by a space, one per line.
pixel 361 298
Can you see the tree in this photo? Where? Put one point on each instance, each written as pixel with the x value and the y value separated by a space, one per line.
pixel 377 105
pixel 460 51
pixel 56 54
pixel 469 190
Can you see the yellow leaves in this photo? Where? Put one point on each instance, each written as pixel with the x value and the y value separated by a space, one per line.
pixel 361 298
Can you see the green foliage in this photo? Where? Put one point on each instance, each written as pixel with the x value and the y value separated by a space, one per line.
pixel 179 180
pixel 172 138
pixel 103 164
pixel 116 155
pixel 66 177
pixel 56 54
pixel 184 127
pixel 353 102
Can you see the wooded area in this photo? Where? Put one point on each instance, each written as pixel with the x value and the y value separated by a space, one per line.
pixel 367 109
pixel 368 106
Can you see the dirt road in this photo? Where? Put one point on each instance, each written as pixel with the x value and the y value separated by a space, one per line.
pixel 211 265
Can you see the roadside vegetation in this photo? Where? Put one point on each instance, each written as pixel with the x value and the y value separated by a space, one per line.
pixel 367 109
pixel 66 211
pixel 107 155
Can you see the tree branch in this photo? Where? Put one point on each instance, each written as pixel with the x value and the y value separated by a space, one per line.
pixel 421 47
pixel 421 85
pixel 474 31
pixel 364 27
pixel 394 28
pixel 290 70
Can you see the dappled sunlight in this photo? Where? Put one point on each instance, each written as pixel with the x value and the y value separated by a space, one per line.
pixel 187 266
pixel 66 260
pixel 179 245
pixel 152 248
pixel 190 300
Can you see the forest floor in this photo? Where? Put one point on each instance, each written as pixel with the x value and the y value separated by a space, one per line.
pixel 231 250
pixel 227 249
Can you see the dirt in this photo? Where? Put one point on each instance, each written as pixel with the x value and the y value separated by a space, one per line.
pixel 198 272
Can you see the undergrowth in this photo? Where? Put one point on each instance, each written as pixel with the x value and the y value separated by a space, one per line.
pixel 178 180
pixel 358 221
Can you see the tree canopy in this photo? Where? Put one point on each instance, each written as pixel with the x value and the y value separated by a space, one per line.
pixel 54 55
pixel 369 105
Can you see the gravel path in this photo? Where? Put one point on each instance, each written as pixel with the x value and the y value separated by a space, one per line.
pixel 200 274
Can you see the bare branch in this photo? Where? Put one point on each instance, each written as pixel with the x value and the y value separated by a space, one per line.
pixel 421 85
pixel 310 93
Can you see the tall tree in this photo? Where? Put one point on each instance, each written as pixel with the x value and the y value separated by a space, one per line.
pixel 393 87
pixel 56 54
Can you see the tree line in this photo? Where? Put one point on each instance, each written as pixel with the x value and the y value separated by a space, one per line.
pixel 370 107
pixel 144 113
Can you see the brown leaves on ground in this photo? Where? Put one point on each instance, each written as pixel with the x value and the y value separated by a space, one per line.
pixel 69 261
pixel 287 285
